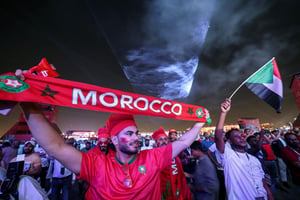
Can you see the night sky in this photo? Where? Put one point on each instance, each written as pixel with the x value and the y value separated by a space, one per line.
pixel 86 41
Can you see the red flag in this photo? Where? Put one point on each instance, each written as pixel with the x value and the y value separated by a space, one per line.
pixel 295 86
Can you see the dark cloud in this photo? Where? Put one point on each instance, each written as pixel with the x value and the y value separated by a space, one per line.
pixel 82 40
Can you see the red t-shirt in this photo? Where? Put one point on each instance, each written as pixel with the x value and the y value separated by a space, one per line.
pixel 269 151
pixel 173 182
pixel 289 156
pixel 109 178
pixel 97 150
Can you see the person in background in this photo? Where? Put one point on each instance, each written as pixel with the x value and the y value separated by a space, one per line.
pixel 146 144
pixel 291 156
pixel 172 135
pixel 206 142
pixel 270 162
pixel 16 144
pixel 255 148
pixel 88 147
pixel 277 145
pixel 8 153
pixel 103 141
pixel 206 183
pixel 62 179
pixel 215 158
pixel 82 185
pixel 44 164
pixel 173 183
pixel 28 186
pixel 32 160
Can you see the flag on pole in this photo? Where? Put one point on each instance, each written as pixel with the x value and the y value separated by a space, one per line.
pixel 266 83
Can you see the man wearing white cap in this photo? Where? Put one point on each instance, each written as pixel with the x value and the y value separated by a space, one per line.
pixel 32 160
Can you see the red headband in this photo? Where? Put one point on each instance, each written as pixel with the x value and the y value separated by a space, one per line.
pixel 159 133
pixel 172 130
pixel 103 133
pixel 117 122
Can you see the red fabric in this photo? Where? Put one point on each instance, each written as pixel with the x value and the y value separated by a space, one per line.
pixel 44 69
pixel 295 86
pixel 290 157
pixel 159 133
pixel 61 92
pixel 103 133
pixel 270 152
pixel 173 182
pixel 117 122
pixel 106 175
pixel 275 69
pixel 96 150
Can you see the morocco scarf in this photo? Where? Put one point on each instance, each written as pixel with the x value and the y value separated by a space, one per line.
pixel 67 93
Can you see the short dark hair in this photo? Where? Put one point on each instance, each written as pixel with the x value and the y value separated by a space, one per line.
pixel 228 133
pixel 6 144
pixel 196 145
pixel 250 137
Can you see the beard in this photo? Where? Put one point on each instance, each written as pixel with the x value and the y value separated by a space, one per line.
pixel 27 151
pixel 162 144
pixel 103 148
pixel 125 148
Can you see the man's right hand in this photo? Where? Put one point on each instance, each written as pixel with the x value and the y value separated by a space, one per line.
pixel 225 106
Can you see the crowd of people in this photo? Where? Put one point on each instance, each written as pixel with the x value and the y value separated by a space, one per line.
pixel 122 164
pixel 238 164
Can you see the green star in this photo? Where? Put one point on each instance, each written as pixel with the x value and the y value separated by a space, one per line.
pixel 49 92
pixel 190 111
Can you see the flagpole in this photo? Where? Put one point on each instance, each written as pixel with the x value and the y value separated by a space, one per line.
pixel 235 91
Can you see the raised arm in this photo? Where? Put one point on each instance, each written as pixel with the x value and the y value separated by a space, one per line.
pixel 48 137
pixel 186 139
pixel 225 107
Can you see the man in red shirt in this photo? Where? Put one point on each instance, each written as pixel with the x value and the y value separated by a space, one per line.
pixel 125 174
pixel 291 155
pixel 173 183
pixel 172 135
pixel 103 141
